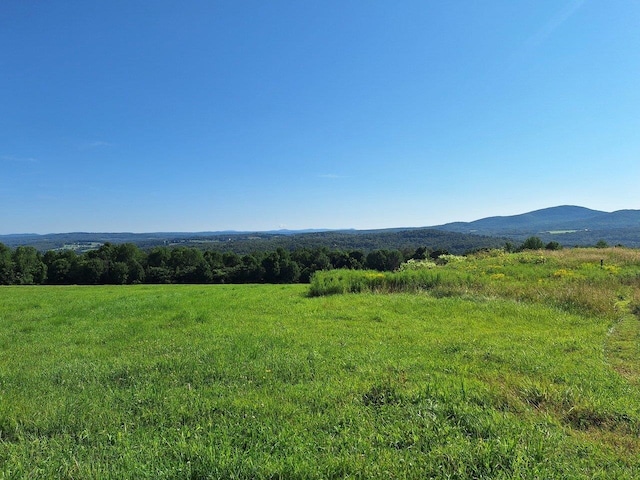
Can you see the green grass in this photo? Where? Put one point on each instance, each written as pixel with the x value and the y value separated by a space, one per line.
pixel 570 279
pixel 266 382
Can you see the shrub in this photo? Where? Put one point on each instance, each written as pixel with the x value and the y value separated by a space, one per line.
pixel 414 264
pixel 355 281
pixel 532 243
pixel 553 246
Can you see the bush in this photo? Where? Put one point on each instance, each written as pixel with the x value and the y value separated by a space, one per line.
pixel 532 243
pixel 553 246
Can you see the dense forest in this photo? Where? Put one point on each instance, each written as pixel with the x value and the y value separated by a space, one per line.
pixel 127 264
pixel 251 242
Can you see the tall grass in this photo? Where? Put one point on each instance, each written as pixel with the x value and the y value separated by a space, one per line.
pixel 359 281
pixel 589 281
pixel 586 281
pixel 263 381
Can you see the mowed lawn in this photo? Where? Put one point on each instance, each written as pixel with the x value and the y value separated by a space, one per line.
pixel 261 381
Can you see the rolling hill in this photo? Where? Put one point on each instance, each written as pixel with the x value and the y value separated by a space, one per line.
pixel 569 225
pixel 242 242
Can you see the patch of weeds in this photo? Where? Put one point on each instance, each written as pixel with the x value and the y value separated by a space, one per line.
pixel 181 317
pixel 382 394
pixel 201 318
pixel 570 346
pixel 575 411
pixel 8 432
pixel 490 356
pixel 452 348
pixel 586 417
pixel 121 377
pixel 536 394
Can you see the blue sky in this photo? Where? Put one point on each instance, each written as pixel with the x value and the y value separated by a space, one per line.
pixel 250 115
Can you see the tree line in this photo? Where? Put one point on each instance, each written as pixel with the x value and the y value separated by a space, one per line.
pixel 126 263
pixel 242 243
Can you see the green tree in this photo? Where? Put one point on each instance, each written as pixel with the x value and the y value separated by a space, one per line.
pixel 127 252
pixel 158 257
pixel 289 272
pixel 339 259
pixel 136 273
pixel 158 275
pixel 384 260
pixel 157 268
pixel 271 266
pixel 7 276
pixel 214 259
pixel 62 266
pixel 532 243
pixel 376 260
pixel 322 262
pixel 421 253
pixel 230 259
pixel 356 260
pixel 59 272
pixel 91 270
pixel 118 273
pixel 553 246
pixel 250 270
pixel 106 255
pixel 28 266
pixel 189 266
pixel 280 268
pixel 394 260
pixel 438 252
pixel 133 258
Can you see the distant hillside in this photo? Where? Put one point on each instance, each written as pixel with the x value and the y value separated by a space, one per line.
pixel 554 218
pixel 408 238
pixel 239 242
pixel 569 225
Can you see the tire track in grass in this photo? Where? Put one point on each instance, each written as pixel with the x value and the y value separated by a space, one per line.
pixel 622 347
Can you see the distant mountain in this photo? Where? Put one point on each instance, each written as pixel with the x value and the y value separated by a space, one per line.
pixel 567 224
pixel 243 242
pixel 554 218
pixel 613 220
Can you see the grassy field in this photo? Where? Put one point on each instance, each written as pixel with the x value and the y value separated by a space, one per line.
pixel 510 366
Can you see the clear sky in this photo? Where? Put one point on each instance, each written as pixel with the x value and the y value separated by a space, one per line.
pixel 158 115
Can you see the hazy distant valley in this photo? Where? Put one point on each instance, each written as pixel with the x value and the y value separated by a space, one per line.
pixel 567 225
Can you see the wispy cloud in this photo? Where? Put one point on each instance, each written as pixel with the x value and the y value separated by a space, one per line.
pixel 94 144
pixel 14 159
pixel 554 23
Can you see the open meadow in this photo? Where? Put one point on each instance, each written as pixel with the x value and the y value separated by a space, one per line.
pixel 494 366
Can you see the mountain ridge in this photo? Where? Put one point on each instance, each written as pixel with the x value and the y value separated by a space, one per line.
pixel 569 225
pixel 563 217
